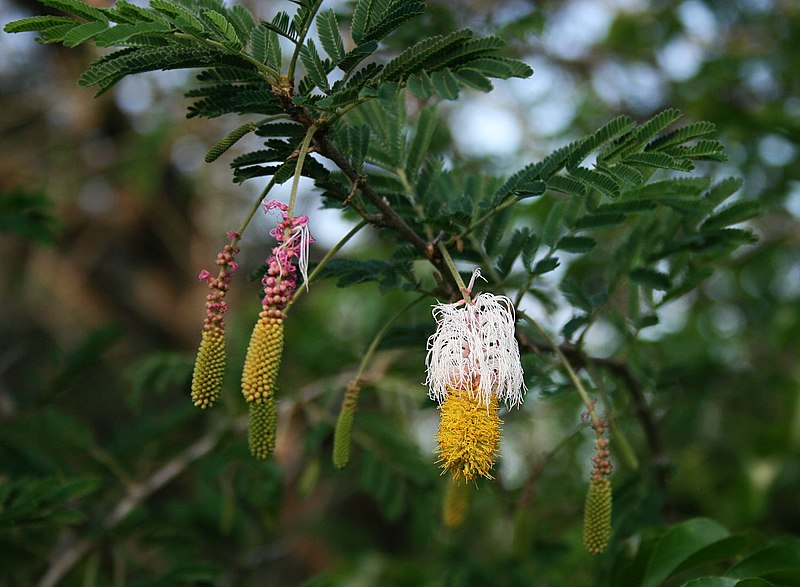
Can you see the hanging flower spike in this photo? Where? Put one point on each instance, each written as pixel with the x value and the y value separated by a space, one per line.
pixel 473 363
pixel 209 367
pixel 263 360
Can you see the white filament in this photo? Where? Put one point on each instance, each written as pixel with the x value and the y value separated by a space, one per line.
pixel 474 349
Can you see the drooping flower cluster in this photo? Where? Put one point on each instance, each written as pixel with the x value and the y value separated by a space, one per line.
pixel 597 509
pixel 210 363
pixel 473 363
pixel 265 350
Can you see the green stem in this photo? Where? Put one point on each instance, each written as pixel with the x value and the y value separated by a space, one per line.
pixel 484 218
pixel 448 260
pixel 301 157
pixel 328 256
pixel 379 337
pixel 587 401
pixel 256 204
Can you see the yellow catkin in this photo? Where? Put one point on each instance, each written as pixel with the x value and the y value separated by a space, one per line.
pixel 209 369
pixel 469 435
pixel 263 359
pixel 262 423
pixel 344 426
pixel 454 507
pixel 597 516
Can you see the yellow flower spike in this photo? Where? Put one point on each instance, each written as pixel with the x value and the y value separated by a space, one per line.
pixel 263 358
pixel 344 426
pixel 597 516
pixel 469 435
pixel 262 424
pixel 456 500
pixel 209 369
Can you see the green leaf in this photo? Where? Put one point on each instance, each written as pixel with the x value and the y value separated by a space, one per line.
pixel 421 141
pixel 651 278
pixel 411 60
pixel 420 85
pixel 573 325
pixel 624 173
pixel 501 67
pixel 733 214
pixel 494 231
pixel 329 35
pixel 121 33
pixel 243 21
pixel 576 244
pixel 601 182
pixel 659 160
pixel 711 582
pixel 472 78
pixel 357 55
pixel 681 135
pixel 469 51
pixel 545 266
pixel 553 224
pixel 635 140
pixel 722 190
pixel 779 562
pixel 316 69
pixel 705 150
pixel 83 32
pixel 224 29
pixel 365 14
pixel 599 220
pixel 607 132
pixel 78 8
pixel 678 544
pixel 445 84
pixel 398 13
pixel 512 251
pixel 575 295
pixel 183 19
pixel 37 23
pixel 566 185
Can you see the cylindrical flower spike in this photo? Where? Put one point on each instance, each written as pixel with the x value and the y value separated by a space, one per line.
pixel 469 435
pixel 261 427
pixel 344 426
pixel 263 360
pixel 209 367
pixel 473 363
pixel 597 516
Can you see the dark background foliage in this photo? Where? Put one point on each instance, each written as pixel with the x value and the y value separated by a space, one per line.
pixel 102 311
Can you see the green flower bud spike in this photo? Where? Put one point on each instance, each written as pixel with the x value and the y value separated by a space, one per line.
pixel 262 425
pixel 597 510
pixel 344 425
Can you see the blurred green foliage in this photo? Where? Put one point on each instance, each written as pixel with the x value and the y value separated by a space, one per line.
pixel 103 459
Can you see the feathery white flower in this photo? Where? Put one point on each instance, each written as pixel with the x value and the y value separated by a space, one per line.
pixel 474 349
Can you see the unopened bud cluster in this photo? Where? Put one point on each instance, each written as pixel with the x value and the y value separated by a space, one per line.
pixel 597 510
pixel 209 366
pixel 262 363
pixel 344 425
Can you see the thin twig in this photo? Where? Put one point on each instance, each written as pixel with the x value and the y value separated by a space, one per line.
pixel 621 371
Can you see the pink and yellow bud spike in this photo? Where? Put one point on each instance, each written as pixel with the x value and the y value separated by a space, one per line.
pixel 264 353
pixel 209 367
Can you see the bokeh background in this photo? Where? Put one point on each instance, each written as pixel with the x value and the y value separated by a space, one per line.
pixel 102 311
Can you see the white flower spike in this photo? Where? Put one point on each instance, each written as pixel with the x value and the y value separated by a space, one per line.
pixel 474 349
